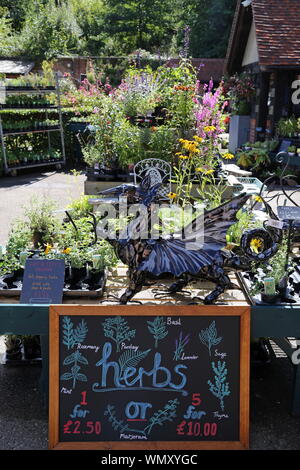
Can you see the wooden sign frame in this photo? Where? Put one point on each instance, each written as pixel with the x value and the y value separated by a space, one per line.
pixel 149 310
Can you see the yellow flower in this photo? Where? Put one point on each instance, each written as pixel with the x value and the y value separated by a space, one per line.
pixel 183 157
pixel 256 245
pixel 209 129
pixel 197 138
pixel 204 171
pixel 172 195
pixel 66 251
pixel 228 156
pixel 48 249
pixel 258 199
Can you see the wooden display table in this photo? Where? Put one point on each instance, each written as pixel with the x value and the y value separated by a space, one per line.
pixel 276 322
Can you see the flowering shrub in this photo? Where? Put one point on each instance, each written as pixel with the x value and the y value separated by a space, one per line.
pixel 169 96
pixel 193 166
pixel 88 97
pixel 138 92
pixel 210 114
pixel 239 89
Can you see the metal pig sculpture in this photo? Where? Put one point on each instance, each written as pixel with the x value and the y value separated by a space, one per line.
pixel 148 258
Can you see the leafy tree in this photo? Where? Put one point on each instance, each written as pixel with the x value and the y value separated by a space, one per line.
pixel 90 18
pixel 48 30
pixel 144 24
pixel 5 32
pixel 210 27
pixel 16 11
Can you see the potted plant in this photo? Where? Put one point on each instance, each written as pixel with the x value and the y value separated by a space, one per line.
pixel 32 347
pixel 269 282
pixel 13 345
pixel 287 127
pixel 78 269
pixel 292 150
pixel 41 221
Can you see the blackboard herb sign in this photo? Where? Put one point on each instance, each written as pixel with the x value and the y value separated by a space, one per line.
pixel 150 377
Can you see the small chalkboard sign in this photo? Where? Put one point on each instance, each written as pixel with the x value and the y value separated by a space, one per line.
pixel 150 377
pixel 43 281
pixel 288 212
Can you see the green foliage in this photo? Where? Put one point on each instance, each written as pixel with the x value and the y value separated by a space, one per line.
pixel 71 335
pixel 131 358
pixel 19 238
pixel 210 24
pixel 48 28
pixel 253 159
pixel 209 337
pixel 75 375
pixel 220 389
pixel 41 230
pixel 138 24
pixel 245 221
pixel 275 268
pixel 158 329
pixel 40 219
pixel 288 127
pixel 117 329
pixel 80 207
pixel 168 413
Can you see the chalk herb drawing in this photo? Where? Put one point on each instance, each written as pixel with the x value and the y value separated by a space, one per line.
pixel 117 329
pixel 180 344
pixel 74 375
pixel 168 413
pixel 131 358
pixel 220 388
pixel 209 338
pixel 158 329
pixel 118 424
pixel 73 336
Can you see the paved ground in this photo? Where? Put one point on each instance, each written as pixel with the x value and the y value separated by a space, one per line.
pixel 24 421
pixel 15 192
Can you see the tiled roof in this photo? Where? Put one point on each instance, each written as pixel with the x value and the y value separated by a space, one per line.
pixel 207 68
pixel 277 24
pixel 10 66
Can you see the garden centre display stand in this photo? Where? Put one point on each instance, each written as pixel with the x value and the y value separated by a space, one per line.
pixel 43 108
pixel 238 132
pixel 278 323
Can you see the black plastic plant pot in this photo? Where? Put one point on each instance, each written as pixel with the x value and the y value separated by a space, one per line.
pixel 15 352
pixel 270 299
pixel 96 280
pixel 77 276
pixel 12 280
pixel 67 272
pixel 32 348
